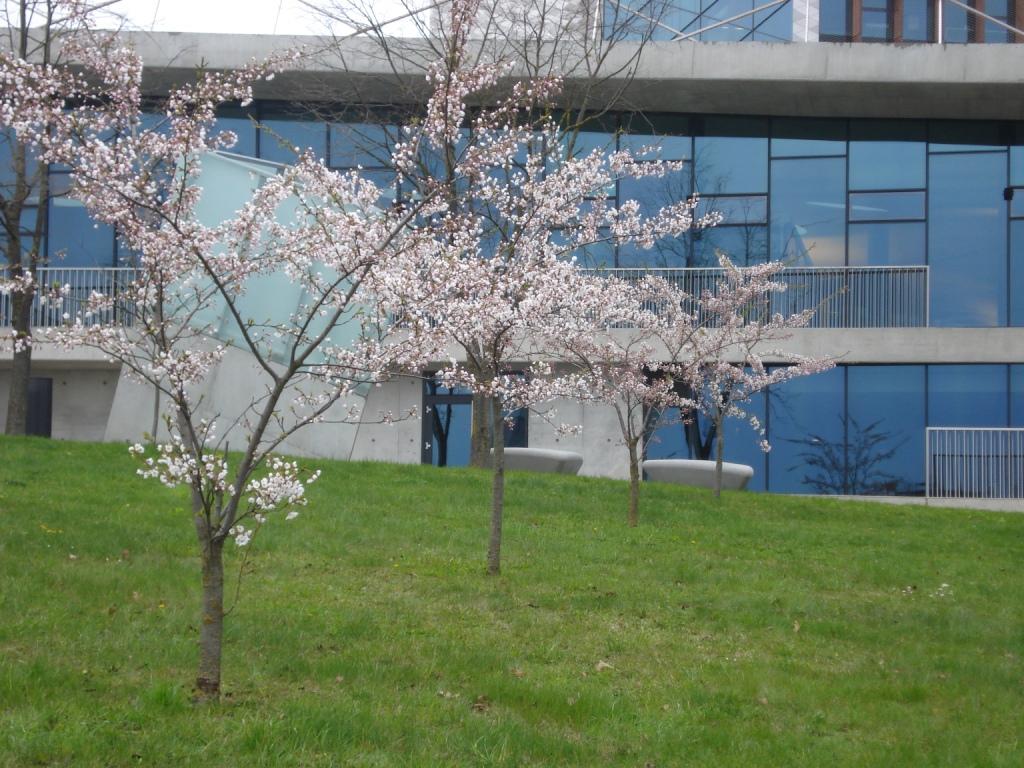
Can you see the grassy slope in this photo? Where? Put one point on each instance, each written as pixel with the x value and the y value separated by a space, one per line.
pixel 761 631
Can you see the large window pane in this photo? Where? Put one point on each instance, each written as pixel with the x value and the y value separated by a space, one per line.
pixel 1017 395
pixel 917 25
pixel 244 129
pixel 808 209
pixel 744 245
pixel 774 24
pixel 834 20
pixel 731 165
pixel 885 429
pixel 806 435
pixel 1017 272
pixel 803 137
pixel 886 206
pixel 967 396
pixel 75 240
pixel 967 239
pixel 876 162
pixel 361 144
pixel 889 244
pixel 282 139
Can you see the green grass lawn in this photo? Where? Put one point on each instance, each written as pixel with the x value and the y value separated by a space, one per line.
pixel 757 631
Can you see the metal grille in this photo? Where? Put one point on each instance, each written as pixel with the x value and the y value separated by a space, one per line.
pixel 843 297
pixel 49 312
pixel 974 463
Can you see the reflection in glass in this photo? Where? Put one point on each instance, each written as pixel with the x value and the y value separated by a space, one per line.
pixel 74 240
pixel 1017 272
pixel 803 137
pixel 967 239
pixel 834 20
pixel 917 23
pixel 735 165
pixel 245 131
pixel 806 433
pixel 808 209
pixel 886 206
pixel 874 20
pixel 449 435
pixel 1017 395
pixel 967 396
pixel 885 429
pixel 887 244
pixel 361 144
pixel 282 140
pixel 887 164
pixel 745 245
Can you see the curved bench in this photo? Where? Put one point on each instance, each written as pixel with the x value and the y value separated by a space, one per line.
pixel 698 472
pixel 543 460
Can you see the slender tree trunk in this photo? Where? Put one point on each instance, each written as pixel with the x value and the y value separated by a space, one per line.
pixel 719 452
pixel 497 491
pixel 21 364
pixel 480 436
pixel 634 485
pixel 211 625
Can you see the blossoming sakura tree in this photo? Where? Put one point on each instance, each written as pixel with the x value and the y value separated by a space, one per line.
pixel 507 218
pixel 318 232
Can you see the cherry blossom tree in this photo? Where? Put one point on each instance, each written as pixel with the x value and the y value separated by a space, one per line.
pixel 727 362
pixel 33 31
pixel 306 231
pixel 507 219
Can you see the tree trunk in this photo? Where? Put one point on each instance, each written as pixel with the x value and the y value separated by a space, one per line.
pixel 21 364
pixel 634 485
pixel 497 490
pixel 480 435
pixel 211 625
pixel 719 451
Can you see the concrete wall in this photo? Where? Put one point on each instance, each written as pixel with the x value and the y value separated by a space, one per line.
pixel 82 399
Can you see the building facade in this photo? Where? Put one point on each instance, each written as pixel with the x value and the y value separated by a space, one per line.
pixel 885 168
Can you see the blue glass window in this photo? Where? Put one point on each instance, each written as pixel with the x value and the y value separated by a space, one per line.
pixel 1002 10
pixel 955 24
pixel 834 20
pixel 1017 395
pixel 1017 271
pixel 886 155
pixel 361 144
pixel 244 128
pixel 730 165
pixel 74 239
pixel 655 192
pixel 807 436
pixel 774 24
pixel 967 239
pixel 874 20
pixel 886 206
pixel 808 210
pixel 803 137
pixel 647 146
pixel 917 22
pixel 887 244
pixel 885 429
pixel 745 245
pixel 967 396
pixel 281 139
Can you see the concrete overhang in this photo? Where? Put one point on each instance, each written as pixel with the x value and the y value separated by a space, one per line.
pixel 750 78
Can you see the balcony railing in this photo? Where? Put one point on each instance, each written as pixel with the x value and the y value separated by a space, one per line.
pixel 842 297
pixel 63 293
pixel 974 463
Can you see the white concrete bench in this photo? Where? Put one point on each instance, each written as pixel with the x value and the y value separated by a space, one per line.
pixel 698 472
pixel 543 460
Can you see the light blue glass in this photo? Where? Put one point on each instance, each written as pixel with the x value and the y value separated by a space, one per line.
pixel 362 144
pixel 743 209
pixel 967 239
pixel 967 396
pixel 917 26
pixel 806 434
pixel 745 245
pixel 833 20
pixel 450 434
pixel 652 147
pixel 808 210
pixel 994 33
pixel 655 192
pixel 1017 395
pixel 244 128
pixel 774 25
pixel 74 239
pixel 887 164
pixel 715 11
pixel 808 137
pixel 731 165
pixel 889 244
pixel 281 140
pixel 885 429
pixel 1017 272
pixel 886 206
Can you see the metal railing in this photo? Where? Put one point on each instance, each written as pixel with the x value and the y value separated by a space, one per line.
pixel 63 293
pixel 842 297
pixel 974 463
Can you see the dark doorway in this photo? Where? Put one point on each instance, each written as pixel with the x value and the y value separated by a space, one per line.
pixel 40 407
